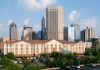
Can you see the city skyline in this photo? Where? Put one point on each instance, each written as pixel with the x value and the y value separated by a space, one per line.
pixel 80 12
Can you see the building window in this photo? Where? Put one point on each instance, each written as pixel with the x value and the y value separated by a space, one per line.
pixel 55 45
pixel 26 48
pixel 16 45
pixel 27 45
pixel 21 45
pixel 37 51
pixel 26 51
pixel 32 51
pixel 16 48
pixel 21 48
pixel 21 52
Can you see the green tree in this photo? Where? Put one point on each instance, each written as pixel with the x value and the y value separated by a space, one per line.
pixel 87 53
pixel 95 53
pixel 70 58
pixel 7 64
pixel 26 64
pixel 10 55
pixel 0 50
pixel 54 54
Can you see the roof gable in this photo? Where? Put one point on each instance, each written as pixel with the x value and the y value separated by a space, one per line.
pixel 53 42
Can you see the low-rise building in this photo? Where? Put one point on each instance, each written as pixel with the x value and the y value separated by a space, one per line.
pixel 4 39
pixel 37 47
pixel 95 44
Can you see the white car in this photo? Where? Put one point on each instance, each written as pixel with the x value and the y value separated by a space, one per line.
pixel 15 62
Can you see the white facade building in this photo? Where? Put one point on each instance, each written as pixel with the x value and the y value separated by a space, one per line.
pixel 37 47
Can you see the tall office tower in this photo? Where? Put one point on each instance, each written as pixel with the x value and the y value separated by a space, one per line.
pixel 77 32
pixel 43 32
pixel 13 31
pixel 65 33
pixel 70 33
pixel 27 33
pixel 54 23
pixel 87 34
pixel 34 35
pixel 91 33
pixel 73 32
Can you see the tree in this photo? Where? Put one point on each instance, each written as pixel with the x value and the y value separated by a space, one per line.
pixel 10 55
pixel 0 50
pixel 87 53
pixel 26 64
pixel 95 53
pixel 54 54
pixel 7 64
pixel 70 58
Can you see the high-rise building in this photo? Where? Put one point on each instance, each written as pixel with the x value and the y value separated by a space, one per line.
pixel 70 33
pixel 54 23
pixel 27 33
pixel 77 32
pixel 13 31
pixel 34 35
pixel 87 34
pixel 73 32
pixel 65 33
pixel 43 32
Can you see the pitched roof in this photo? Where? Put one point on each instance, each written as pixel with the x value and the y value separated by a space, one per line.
pixel 42 41
pixel 66 42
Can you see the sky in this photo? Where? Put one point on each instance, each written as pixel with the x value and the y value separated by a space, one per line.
pixel 29 12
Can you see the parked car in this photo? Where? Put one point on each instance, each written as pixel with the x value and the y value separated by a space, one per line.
pixel 20 61
pixel 15 61
pixel 35 61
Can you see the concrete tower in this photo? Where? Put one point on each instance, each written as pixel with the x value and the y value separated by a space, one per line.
pixel 54 23
pixel 13 31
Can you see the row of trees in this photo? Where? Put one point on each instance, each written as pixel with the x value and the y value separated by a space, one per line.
pixel 57 59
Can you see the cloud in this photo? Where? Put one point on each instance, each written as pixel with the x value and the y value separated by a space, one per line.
pixel 1 26
pixel 74 15
pixel 10 21
pixel 36 4
pixel 37 27
pixel 91 22
pixel 27 21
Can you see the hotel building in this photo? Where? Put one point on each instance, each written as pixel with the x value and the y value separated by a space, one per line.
pixel 38 47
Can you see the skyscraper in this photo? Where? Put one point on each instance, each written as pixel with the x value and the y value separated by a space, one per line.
pixel 70 33
pixel 13 31
pixel 73 32
pixel 54 23
pixel 65 33
pixel 87 34
pixel 43 32
pixel 77 32
pixel 27 33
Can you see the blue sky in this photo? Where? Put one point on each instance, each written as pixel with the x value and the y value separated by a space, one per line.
pixel 29 12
